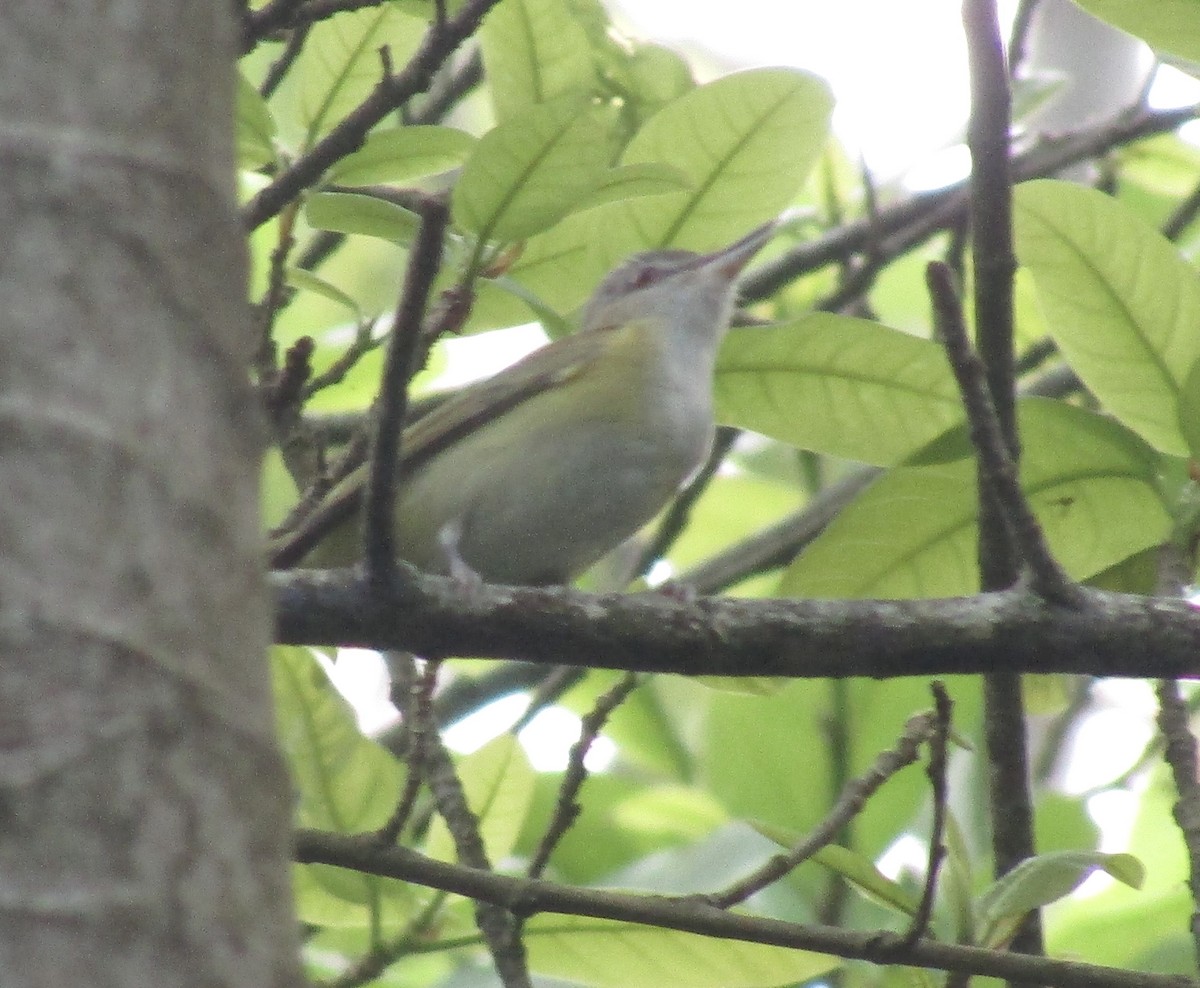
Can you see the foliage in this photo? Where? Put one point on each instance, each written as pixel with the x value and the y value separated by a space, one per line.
pixel 578 148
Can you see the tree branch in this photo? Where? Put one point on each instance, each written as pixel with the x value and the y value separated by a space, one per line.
pixel 997 471
pixel 528 896
pixel 994 264
pixel 424 261
pixel 1110 634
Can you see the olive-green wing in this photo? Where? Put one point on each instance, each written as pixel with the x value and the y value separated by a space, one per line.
pixel 489 399
pixel 457 416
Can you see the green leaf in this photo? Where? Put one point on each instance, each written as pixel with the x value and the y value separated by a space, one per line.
pixel 740 171
pixel 1171 26
pixel 339 898
pixel 1062 823
pixel 634 181
pixel 658 74
pixel 858 870
pixel 836 385
pixel 349 212
pixel 1147 929
pixel 913 532
pixel 403 154
pixel 1043 879
pixel 1189 410
pixel 841 726
pixel 1120 302
pixel 862 874
pixel 255 127
pixel 340 65
pixel 499 783
pixel 529 172
pixel 611 954
pixel 309 282
pixel 345 782
pixel 745 142
pixel 533 52
pixel 559 266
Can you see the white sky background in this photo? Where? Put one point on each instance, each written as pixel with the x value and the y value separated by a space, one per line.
pixel 897 67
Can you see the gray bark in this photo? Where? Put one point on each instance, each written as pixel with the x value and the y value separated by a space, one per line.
pixel 143 804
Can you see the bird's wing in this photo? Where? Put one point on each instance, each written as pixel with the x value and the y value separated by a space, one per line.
pixel 458 416
pixel 489 399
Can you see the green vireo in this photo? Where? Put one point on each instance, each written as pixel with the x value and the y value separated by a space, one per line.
pixel 545 467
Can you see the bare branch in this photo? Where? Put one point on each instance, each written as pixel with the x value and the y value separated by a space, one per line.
pixel 527 896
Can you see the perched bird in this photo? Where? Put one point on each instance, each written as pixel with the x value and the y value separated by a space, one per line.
pixel 545 467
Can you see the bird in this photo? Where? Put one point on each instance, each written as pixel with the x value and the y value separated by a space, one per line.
pixel 531 476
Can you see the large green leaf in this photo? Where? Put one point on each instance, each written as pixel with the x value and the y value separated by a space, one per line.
pixel 1043 879
pixel 913 532
pixel 1119 300
pixel 1171 26
pixel 533 52
pixel 350 212
pixel 344 781
pixel 339 66
pixel 1148 928
pixel 533 169
pixel 745 143
pixel 837 729
pixel 742 147
pixel 606 953
pixel 402 154
pixel 561 265
pixel 836 385
pixel 634 181
pixel 255 127
pixel 858 869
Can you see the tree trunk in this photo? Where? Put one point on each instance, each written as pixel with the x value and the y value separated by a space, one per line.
pixel 143 804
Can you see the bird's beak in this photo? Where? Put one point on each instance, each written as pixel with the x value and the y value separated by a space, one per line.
pixel 732 259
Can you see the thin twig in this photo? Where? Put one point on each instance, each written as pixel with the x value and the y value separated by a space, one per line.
pixel 1180 754
pixel 373 964
pixel 997 469
pixel 412 693
pixel 275 295
pixel 1183 215
pixel 365 341
pixel 853 798
pixel 938 741
pixel 499 928
pixel 280 67
pixel 448 91
pixel 424 262
pixel 1018 37
pixel 313 11
pixel 567 808
pixel 318 249
pixel 931 212
pixel 549 689
pixel 269 18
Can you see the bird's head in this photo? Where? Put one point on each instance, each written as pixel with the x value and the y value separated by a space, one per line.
pixel 675 287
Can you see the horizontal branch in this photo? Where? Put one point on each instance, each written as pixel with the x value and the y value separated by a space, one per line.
pixel 1108 634
pixel 525 897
